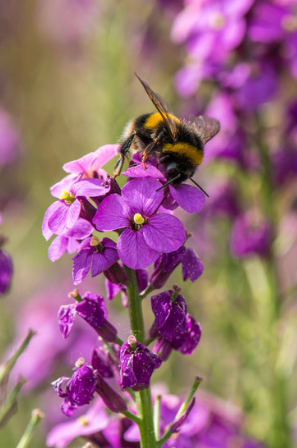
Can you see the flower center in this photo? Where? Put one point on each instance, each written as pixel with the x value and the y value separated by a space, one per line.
pixel 139 220
pixel 217 21
pixel 68 197
pixel 83 420
pixel 289 23
pixel 95 242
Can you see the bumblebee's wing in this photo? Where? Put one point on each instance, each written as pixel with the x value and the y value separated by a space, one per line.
pixel 162 108
pixel 207 127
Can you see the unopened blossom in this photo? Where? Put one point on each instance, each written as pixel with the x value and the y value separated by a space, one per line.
pixel 137 364
pixel 170 311
pixel 95 255
pixel 144 233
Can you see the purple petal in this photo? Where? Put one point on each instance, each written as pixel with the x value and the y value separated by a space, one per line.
pixel 57 248
pixel 80 230
pixel 6 271
pixel 188 197
pixel 112 214
pixel 73 214
pixel 90 188
pixel 58 221
pixel 164 233
pixel 192 266
pixel 103 261
pixel 66 317
pixel 133 250
pixel 64 184
pixel 140 171
pixel 81 265
pixel 105 153
pixel 141 195
pixel 46 231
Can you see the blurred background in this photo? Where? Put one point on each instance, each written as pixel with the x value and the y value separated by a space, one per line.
pixel 67 86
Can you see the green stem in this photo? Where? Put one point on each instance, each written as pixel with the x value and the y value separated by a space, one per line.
pixel 37 415
pixel 143 398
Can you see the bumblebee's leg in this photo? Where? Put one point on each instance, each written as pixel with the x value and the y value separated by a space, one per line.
pixel 151 147
pixel 123 153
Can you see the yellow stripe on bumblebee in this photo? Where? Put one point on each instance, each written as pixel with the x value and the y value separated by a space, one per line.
pixel 185 149
pixel 153 120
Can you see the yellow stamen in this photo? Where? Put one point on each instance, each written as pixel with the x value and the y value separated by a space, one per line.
pixel 83 420
pixel 94 241
pixel 68 197
pixel 138 219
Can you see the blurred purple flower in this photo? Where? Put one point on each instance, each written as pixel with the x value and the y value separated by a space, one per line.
pixel 6 271
pixel 101 255
pixel 146 233
pixel 284 166
pixel 95 420
pixel 68 22
pixel 137 364
pixel 222 200
pixel 10 144
pixel 250 235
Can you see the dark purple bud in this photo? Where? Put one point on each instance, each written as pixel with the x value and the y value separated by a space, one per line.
pixel 116 274
pixel 187 341
pixel 87 210
pixel 163 348
pixel 6 271
pixel 170 310
pixel 192 266
pixel 101 363
pixel 175 427
pixel 113 400
pixel 79 390
pixel 92 310
pixel 66 316
pixel 165 265
pixel 137 364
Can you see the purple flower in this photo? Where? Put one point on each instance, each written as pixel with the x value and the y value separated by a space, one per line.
pixel 250 235
pixel 69 241
pixel 95 420
pixel 6 271
pixel 100 255
pixel 90 165
pixel 145 233
pixel 137 364
pixel 223 200
pixel 79 390
pixel 170 311
pixel 92 309
pixel 9 139
pixel 63 214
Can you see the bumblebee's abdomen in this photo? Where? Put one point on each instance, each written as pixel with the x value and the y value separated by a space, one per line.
pixel 190 152
pixel 154 120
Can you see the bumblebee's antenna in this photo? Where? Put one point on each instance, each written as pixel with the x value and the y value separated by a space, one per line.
pixel 169 182
pixel 197 185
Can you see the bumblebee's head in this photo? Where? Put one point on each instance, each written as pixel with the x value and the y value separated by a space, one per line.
pixel 176 173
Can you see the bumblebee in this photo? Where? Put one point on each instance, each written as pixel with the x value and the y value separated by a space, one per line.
pixel 177 144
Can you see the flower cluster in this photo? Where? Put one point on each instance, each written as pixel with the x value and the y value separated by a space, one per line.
pixel 146 233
